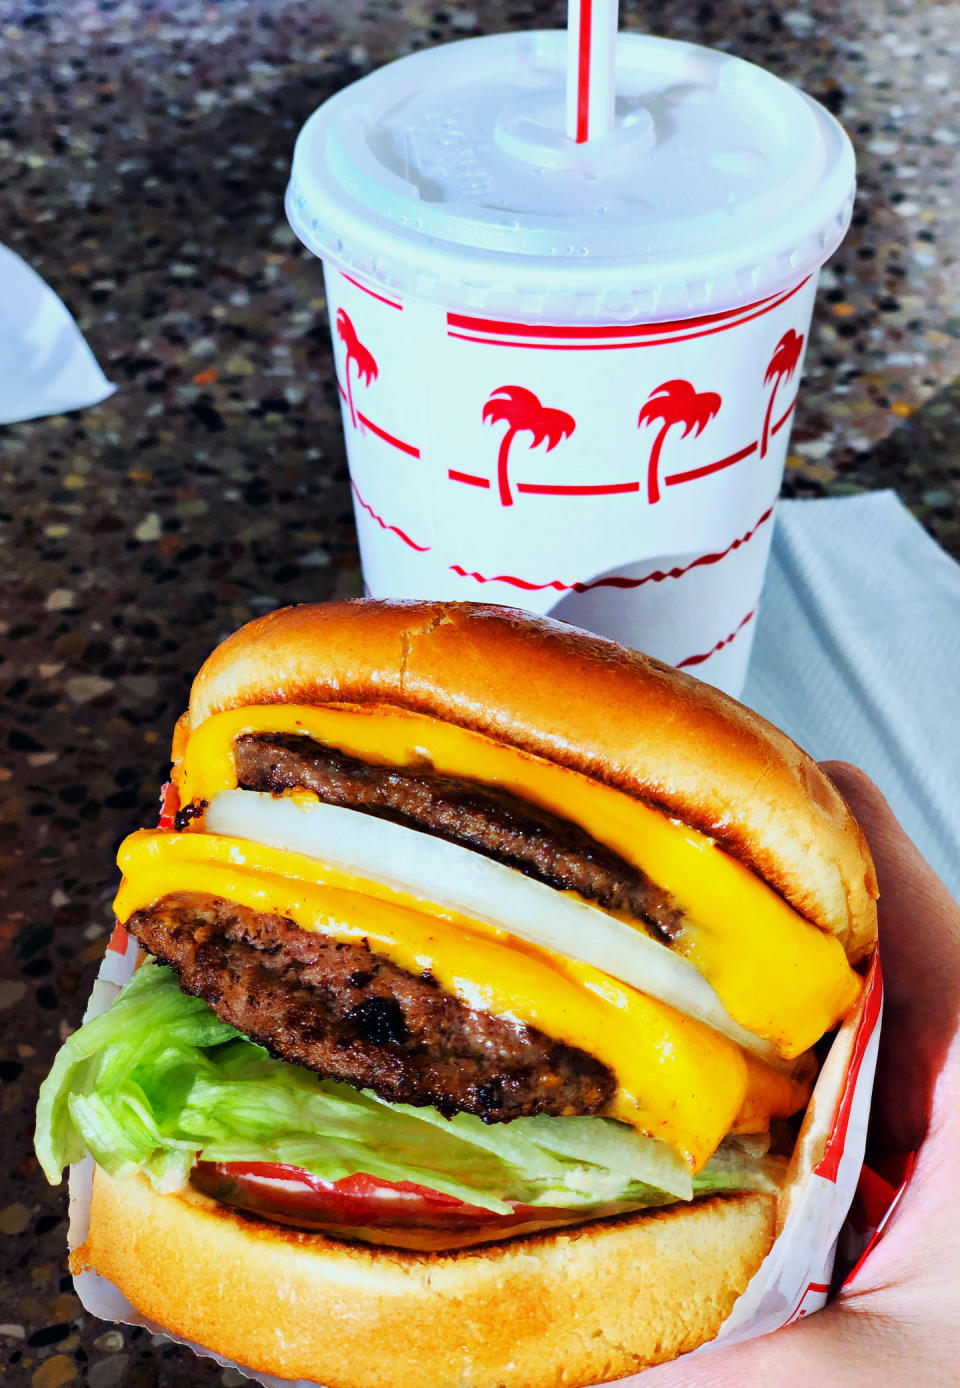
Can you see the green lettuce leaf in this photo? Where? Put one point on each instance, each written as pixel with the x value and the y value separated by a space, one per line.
pixel 158 1081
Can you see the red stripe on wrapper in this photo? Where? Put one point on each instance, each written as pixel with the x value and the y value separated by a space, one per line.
pixel 874 1203
pixel 829 1163
pixel 799 1311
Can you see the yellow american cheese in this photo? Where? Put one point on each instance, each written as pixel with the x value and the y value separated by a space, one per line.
pixel 777 975
pixel 676 1080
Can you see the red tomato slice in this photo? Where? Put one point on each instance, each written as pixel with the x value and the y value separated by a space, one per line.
pixel 366 1207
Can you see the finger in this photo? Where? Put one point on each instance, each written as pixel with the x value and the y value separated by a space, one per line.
pixel 920 957
pixel 838 1346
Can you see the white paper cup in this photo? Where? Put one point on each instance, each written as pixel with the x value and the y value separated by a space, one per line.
pixel 568 372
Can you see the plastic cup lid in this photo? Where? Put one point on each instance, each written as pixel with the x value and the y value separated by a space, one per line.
pixel 447 176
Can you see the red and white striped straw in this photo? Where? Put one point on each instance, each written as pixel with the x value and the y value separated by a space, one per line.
pixel 591 68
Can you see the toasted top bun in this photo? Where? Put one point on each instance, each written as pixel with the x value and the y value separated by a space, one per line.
pixel 584 702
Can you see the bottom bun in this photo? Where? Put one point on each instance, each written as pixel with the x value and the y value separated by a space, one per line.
pixel 578 1306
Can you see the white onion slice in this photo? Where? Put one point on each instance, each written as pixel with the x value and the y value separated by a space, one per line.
pixel 461 880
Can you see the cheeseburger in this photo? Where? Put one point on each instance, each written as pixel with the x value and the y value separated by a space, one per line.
pixel 484 968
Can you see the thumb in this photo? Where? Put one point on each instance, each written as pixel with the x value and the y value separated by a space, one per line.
pixel 920 957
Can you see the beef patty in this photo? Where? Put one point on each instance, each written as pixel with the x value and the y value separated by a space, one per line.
pixel 480 817
pixel 352 1015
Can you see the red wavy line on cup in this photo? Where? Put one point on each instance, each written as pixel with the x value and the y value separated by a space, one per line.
pixel 421 549
pixel 699 659
pixel 614 581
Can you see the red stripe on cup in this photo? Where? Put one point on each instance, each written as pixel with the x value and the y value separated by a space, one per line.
pixel 785 416
pixel 829 1163
pixel 694 473
pixel 587 489
pixel 505 328
pixel 382 433
pixel 610 346
pixel 391 303
pixel 391 439
pixel 468 477
pixel 699 659
pixel 395 529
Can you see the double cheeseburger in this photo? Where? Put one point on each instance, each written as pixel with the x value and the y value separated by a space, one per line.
pixel 485 966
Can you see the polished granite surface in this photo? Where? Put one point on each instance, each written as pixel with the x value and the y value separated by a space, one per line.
pixel 143 154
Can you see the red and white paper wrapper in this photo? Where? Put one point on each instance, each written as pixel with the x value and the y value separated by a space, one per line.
pixel 622 478
pixel 792 1282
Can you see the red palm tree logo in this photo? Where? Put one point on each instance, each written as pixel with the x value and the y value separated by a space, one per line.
pixel 674 402
pixel 356 352
pixel 783 364
pixel 521 410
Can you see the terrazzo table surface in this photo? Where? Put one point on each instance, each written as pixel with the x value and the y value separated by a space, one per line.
pixel 143 155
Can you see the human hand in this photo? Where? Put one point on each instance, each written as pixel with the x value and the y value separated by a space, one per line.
pixel 898 1320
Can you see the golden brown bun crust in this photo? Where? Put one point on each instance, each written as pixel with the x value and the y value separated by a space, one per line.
pixel 580 1307
pixel 581 700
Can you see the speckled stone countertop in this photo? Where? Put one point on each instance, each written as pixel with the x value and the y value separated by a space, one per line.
pixel 143 154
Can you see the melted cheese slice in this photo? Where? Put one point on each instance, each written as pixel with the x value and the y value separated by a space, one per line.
pixel 676 1080
pixel 777 975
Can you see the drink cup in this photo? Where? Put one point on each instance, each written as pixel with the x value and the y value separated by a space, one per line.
pixel 568 371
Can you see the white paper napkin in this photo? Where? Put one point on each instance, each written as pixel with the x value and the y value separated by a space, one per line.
pixel 857 656
pixel 46 366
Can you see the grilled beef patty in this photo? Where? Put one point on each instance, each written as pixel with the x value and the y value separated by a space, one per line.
pixel 491 822
pixel 352 1015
